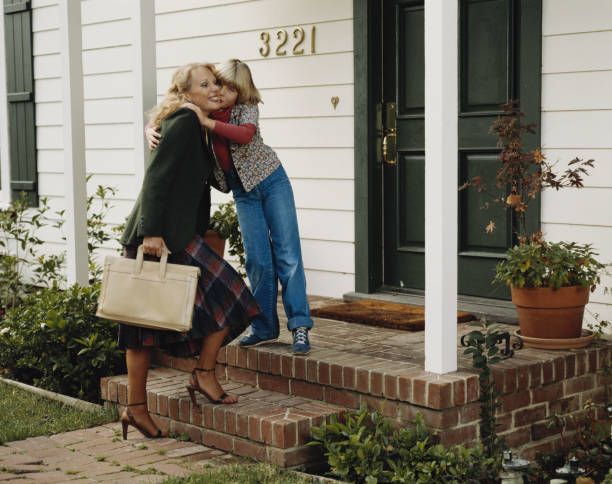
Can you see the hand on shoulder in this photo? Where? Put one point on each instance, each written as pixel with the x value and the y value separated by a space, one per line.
pixel 153 136
pixel 204 120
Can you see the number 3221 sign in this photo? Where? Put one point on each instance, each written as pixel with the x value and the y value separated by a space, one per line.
pixel 283 42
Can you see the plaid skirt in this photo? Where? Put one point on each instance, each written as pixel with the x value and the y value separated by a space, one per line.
pixel 222 301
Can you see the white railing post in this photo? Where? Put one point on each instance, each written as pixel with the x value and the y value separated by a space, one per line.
pixel 74 142
pixel 145 77
pixel 5 165
pixel 441 148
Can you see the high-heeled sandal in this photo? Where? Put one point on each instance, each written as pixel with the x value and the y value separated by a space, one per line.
pixel 196 388
pixel 125 422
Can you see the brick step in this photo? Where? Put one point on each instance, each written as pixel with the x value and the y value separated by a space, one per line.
pixel 352 364
pixel 264 425
pixel 344 375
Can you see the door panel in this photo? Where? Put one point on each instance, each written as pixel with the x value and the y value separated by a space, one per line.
pixel 486 54
pixel 411 53
pixel 404 182
pixel 492 45
pixel 473 218
pixel 410 235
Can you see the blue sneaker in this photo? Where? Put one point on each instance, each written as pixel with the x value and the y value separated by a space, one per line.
pixel 301 345
pixel 252 339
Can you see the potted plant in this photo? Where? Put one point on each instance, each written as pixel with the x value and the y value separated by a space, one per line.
pixel 549 281
pixel 224 226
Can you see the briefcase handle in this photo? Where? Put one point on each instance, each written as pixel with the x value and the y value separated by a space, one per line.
pixel 163 262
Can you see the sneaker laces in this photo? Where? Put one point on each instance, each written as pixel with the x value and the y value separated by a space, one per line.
pixel 300 336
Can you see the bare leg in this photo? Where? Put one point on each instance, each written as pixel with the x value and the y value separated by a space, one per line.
pixel 137 361
pixel 208 359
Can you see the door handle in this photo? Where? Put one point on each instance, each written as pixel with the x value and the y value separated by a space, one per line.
pixel 389 148
pixel 389 143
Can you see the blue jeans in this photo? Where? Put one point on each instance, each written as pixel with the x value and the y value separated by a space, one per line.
pixel 269 227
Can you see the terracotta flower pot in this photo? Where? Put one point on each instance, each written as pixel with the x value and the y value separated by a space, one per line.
pixel 215 241
pixel 547 313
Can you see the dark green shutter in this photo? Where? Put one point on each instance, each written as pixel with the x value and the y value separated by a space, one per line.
pixel 20 94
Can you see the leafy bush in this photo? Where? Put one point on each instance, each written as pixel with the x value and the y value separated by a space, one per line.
pixel 19 242
pixel 585 437
pixel 55 341
pixel 365 448
pixel 224 221
pixel 22 267
pixel 546 264
pixel 98 231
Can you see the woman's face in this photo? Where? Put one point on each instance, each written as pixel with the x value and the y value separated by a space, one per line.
pixel 204 91
pixel 228 96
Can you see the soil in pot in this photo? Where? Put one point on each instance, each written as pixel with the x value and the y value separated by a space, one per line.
pixel 547 313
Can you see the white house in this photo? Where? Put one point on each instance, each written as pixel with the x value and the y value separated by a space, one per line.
pixel 336 77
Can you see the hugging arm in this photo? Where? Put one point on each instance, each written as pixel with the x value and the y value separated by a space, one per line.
pixel 152 135
pixel 242 134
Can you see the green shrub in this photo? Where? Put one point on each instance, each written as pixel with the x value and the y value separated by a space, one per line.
pixel 54 340
pixel 365 448
pixel 584 436
pixel 224 221
pixel 19 246
pixel 546 264
pixel 23 267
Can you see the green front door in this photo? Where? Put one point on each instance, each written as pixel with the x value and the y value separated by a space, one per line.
pixel 499 60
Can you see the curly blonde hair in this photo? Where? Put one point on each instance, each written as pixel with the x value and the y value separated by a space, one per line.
pixel 237 75
pixel 175 96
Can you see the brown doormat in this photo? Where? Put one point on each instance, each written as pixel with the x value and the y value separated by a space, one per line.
pixel 380 313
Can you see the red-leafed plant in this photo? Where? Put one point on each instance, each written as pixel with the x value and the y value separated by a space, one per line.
pixel 522 173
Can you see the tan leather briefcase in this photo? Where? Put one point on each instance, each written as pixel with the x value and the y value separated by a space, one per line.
pixel 154 295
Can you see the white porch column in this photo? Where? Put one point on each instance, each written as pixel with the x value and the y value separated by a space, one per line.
pixel 5 165
pixel 145 77
pixel 441 147
pixel 74 141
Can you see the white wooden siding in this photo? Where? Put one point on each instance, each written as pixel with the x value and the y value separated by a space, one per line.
pixel 313 139
pixel 576 120
pixel 246 16
pixel 108 84
pixel 49 116
pixel 109 88
pixel 330 37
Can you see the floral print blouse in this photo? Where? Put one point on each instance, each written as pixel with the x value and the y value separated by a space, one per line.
pixel 254 161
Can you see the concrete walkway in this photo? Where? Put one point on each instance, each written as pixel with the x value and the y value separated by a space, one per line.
pixel 99 454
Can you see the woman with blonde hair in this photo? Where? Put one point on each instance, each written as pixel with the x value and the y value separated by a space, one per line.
pixel 252 171
pixel 172 213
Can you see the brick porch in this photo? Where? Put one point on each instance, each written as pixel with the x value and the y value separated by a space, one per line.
pixel 282 395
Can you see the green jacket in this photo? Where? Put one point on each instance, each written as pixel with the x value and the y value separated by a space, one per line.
pixel 174 202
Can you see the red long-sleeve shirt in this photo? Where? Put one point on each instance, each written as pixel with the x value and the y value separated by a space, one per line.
pixel 225 132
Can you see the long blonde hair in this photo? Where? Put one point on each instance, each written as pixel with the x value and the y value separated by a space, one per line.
pixel 237 75
pixel 175 96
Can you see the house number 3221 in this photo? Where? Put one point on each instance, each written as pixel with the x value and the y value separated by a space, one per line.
pixel 281 42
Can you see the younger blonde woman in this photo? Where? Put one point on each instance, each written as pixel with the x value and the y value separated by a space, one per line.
pixel 265 206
